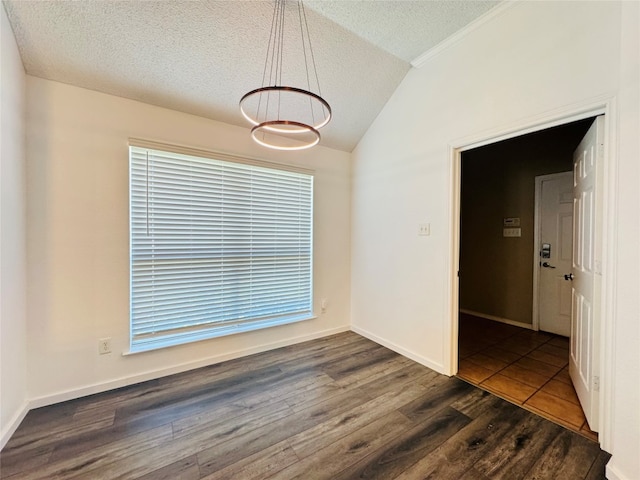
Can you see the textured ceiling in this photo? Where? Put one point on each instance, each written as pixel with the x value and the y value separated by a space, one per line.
pixel 200 57
pixel 404 28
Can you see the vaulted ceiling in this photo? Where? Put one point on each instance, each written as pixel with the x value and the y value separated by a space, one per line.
pixel 200 56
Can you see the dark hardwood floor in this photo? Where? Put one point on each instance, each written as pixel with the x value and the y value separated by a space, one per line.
pixel 340 407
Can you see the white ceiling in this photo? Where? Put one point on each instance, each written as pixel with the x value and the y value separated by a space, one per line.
pixel 200 57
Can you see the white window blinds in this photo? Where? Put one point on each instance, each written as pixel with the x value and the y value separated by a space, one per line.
pixel 217 247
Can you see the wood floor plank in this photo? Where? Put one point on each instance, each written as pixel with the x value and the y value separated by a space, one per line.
pixel 329 461
pixel 309 441
pixel 318 394
pixel 241 446
pixel 35 443
pixel 288 386
pixel 476 402
pixel 142 462
pixel 78 444
pixel 258 466
pixel 439 396
pixel 568 457
pixel 342 368
pixel 393 381
pixel 314 351
pixel 184 469
pixel 83 465
pixel 110 400
pixel 44 417
pixel 336 407
pixel 141 416
pixel 407 448
pixel 232 424
pixel 217 431
pixel 276 395
pixel 327 347
pixel 473 474
pixel 596 472
pixel 193 402
pixel 322 359
pixel 373 372
pixel 230 387
pixel 17 463
pixel 463 449
pixel 515 454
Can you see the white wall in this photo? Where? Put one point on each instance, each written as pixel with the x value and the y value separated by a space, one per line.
pixel 625 463
pixel 13 256
pixel 78 239
pixel 532 59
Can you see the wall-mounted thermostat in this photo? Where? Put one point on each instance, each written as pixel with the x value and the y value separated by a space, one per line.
pixel 511 222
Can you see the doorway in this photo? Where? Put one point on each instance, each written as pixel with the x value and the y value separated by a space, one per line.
pixel 498 282
pixel 527 367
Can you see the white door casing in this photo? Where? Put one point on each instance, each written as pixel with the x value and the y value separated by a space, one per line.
pixel 587 271
pixel 606 195
pixel 554 245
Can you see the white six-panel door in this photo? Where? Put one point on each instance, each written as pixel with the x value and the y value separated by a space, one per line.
pixel 586 271
pixel 554 202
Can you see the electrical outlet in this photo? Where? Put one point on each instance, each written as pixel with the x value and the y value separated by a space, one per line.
pixel 424 229
pixel 104 346
pixel 323 305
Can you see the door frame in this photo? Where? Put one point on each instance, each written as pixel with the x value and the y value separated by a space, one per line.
pixel 535 320
pixel 596 106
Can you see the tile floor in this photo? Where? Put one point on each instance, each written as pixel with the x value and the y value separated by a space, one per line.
pixel 525 367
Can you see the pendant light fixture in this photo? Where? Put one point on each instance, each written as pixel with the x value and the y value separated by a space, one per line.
pixel 285 117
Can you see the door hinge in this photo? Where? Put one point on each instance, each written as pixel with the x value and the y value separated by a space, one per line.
pixel 596 383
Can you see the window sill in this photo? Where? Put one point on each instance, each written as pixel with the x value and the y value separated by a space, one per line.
pixel 214 333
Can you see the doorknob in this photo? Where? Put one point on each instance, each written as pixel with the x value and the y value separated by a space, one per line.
pixel 547 265
pixel 568 276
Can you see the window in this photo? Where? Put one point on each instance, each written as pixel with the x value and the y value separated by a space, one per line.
pixel 217 246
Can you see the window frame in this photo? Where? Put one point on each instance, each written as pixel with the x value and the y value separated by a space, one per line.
pixel 210 330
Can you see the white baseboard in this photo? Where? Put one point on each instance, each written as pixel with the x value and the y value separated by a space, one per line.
pixel 612 473
pixel 163 372
pixel 497 319
pixel 402 351
pixel 13 424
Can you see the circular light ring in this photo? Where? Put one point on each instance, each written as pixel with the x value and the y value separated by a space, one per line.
pixel 272 126
pixel 277 89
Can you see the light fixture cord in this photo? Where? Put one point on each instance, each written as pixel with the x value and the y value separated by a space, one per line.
pixel 275 73
pixel 283 4
pixel 313 58
pixel 270 45
pixel 306 62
